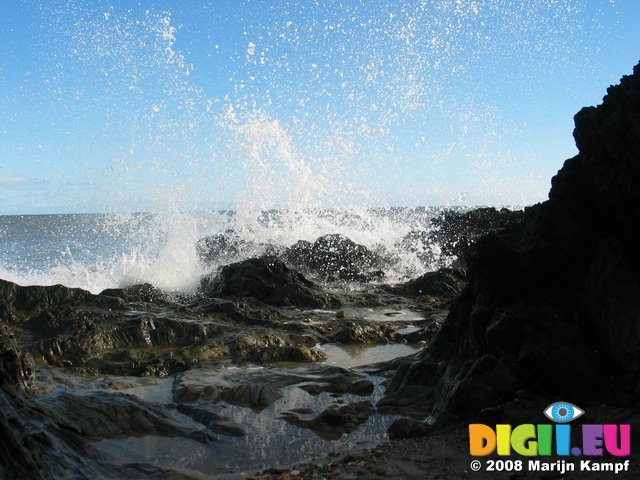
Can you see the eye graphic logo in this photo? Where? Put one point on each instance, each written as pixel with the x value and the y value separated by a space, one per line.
pixel 563 412
pixel 531 440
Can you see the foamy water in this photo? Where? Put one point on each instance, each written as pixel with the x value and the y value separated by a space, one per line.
pixel 95 252
pixel 307 127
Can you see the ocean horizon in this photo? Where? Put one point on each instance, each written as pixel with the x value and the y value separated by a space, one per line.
pixel 95 251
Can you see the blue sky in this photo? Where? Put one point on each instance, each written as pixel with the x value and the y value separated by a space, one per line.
pixel 111 105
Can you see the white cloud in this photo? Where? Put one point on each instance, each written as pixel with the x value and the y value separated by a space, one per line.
pixel 11 181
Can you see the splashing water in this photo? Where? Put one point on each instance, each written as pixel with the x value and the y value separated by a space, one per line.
pixel 284 122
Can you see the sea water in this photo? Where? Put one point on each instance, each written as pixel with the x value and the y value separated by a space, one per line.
pixel 99 251
pixel 295 126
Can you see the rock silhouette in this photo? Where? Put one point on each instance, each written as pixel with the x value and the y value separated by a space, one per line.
pixel 553 303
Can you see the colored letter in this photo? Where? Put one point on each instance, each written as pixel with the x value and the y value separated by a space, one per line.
pixel 592 439
pixel 621 449
pixel 563 439
pixel 503 432
pixel 482 440
pixel 544 439
pixel 523 440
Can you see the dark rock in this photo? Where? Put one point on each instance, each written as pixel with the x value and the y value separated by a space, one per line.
pixel 80 335
pixel 138 331
pixel 116 293
pixel 105 335
pixel 18 303
pixel 34 445
pixel 444 284
pixel 334 421
pixel 256 394
pixel 16 367
pixel 222 248
pixel 115 333
pixel 212 418
pixel 362 388
pixel 335 257
pixel 256 391
pixel 261 388
pixel 553 302
pixel 295 294
pixel 245 311
pixel 189 393
pixel 289 354
pixel 356 332
pixel 337 381
pixel 425 333
pixel 145 292
pixel 486 382
pixel 408 428
pixel 269 280
pixel 100 415
pixel 17 455
pixel 24 448
pixel 454 231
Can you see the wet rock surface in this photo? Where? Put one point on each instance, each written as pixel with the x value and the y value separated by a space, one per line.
pixel 16 367
pixel 335 420
pixel 108 345
pixel 106 335
pixel 269 280
pixel 103 415
pixel 456 231
pixel 330 257
pixel 444 284
pixel 336 257
pixel 43 441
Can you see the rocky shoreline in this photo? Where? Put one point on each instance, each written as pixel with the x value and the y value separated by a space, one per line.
pixel 540 306
pixel 254 331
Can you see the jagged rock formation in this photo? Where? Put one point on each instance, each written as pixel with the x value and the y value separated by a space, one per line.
pixel 331 257
pixel 32 444
pixel 119 333
pixel 553 304
pixel 335 420
pixel 335 257
pixel 445 283
pixel 269 280
pixel 454 231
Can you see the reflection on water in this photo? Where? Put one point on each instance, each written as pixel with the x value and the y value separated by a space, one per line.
pixel 356 355
pixel 287 444
pixel 269 440
pixel 383 314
